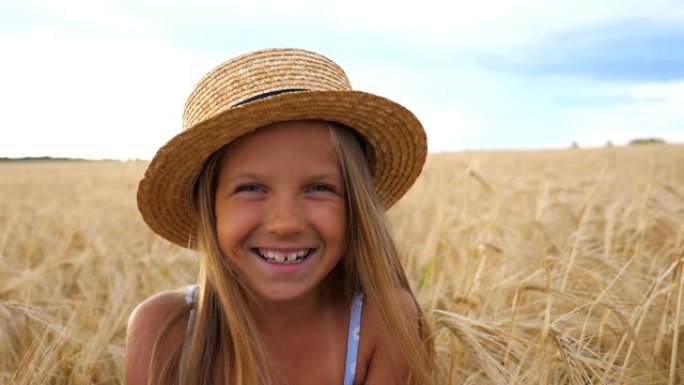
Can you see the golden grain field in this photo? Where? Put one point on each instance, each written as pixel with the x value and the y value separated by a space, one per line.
pixel 547 267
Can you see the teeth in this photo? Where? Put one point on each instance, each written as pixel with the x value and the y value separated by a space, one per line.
pixel 284 258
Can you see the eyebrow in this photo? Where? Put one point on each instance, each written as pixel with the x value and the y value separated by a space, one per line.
pixel 250 175
pixel 242 175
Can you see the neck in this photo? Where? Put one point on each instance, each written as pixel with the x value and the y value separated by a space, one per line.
pixel 272 316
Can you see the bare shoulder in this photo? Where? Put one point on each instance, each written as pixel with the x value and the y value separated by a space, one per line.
pixel 382 352
pixel 408 306
pixel 163 311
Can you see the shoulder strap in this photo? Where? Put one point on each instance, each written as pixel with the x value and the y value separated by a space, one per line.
pixel 190 292
pixel 190 301
pixel 353 339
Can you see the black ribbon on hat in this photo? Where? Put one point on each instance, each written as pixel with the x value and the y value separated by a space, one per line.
pixel 268 94
pixel 359 137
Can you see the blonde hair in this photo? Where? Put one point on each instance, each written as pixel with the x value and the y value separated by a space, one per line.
pixel 225 329
pixel 372 261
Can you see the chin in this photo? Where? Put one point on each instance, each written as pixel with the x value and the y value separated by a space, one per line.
pixel 283 295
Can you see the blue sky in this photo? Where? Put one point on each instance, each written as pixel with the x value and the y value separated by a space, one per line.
pixel 108 79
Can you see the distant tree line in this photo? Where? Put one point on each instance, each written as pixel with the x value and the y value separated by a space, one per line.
pixel 64 159
pixel 646 141
pixel 37 159
pixel 633 142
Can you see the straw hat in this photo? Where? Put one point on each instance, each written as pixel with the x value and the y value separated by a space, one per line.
pixel 265 87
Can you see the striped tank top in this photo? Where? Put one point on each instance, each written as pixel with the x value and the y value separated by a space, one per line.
pixel 352 335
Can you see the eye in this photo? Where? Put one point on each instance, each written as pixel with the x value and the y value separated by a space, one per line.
pixel 249 188
pixel 322 188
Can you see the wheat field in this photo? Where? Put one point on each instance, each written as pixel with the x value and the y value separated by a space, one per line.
pixel 544 267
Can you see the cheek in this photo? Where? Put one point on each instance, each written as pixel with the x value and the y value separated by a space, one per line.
pixel 332 224
pixel 233 224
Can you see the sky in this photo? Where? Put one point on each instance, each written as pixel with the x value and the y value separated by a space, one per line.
pixel 108 79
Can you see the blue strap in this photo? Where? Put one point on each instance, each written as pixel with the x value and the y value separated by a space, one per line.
pixel 191 301
pixel 353 339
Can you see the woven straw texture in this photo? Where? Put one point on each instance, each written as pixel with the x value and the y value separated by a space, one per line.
pixel 232 100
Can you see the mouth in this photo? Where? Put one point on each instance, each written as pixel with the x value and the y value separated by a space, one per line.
pixel 284 258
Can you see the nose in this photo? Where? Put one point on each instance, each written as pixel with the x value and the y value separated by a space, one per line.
pixel 284 218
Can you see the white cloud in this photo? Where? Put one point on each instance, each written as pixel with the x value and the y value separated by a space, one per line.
pixel 670 93
pixel 92 97
pixel 657 111
pixel 109 79
pixel 95 14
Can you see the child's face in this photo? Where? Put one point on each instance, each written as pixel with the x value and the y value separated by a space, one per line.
pixel 280 209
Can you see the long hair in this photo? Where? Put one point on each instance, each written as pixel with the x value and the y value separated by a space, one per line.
pixel 372 261
pixel 225 329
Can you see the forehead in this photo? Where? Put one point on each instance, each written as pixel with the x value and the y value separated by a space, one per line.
pixel 296 143
pixel 296 131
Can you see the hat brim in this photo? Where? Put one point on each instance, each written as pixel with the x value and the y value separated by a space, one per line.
pixel 394 136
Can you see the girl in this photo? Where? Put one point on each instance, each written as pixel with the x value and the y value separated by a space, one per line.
pixel 280 180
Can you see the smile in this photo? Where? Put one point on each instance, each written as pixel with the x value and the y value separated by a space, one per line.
pixel 283 258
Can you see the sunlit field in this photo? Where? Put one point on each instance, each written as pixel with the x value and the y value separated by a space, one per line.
pixel 548 267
